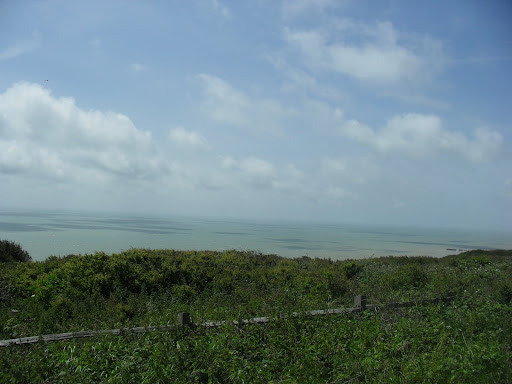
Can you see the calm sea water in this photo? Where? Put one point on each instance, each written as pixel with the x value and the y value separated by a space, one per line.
pixel 52 233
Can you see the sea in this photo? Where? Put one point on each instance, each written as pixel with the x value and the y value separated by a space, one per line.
pixel 45 233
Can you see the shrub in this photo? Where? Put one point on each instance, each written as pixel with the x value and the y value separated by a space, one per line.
pixel 351 269
pixel 505 293
pixel 11 251
pixel 407 277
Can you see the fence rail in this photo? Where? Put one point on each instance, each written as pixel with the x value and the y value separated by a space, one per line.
pixel 184 320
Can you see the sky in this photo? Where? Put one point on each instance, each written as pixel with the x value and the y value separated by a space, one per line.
pixel 372 112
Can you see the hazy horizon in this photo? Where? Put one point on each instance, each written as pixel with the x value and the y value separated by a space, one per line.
pixel 62 233
pixel 243 219
pixel 380 113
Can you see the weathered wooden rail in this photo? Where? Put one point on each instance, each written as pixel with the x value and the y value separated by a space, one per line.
pixel 184 320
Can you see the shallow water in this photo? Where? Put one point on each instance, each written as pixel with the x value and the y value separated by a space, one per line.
pixel 61 233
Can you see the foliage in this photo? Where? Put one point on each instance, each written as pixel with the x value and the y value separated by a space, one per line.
pixel 11 251
pixel 469 340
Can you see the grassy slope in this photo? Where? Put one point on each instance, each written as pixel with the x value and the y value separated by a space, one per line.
pixel 469 340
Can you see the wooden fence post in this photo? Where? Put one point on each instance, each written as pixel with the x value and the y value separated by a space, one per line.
pixel 184 320
pixel 360 302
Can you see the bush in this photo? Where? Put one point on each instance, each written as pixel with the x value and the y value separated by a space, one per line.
pixel 410 276
pixel 351 269
pixel 11 251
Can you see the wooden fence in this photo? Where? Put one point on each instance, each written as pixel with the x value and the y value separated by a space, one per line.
pixel 184 320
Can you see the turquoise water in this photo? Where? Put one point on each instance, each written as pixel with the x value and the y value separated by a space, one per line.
pixel 61 233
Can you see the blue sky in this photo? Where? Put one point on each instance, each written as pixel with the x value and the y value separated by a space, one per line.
pixel 387 112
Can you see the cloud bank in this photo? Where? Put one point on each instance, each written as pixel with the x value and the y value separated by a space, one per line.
pixel 423 136
pixel 44 136
pixel 375 54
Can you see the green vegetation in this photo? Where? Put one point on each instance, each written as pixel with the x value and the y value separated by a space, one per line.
pixel 466 341
pixel 11 251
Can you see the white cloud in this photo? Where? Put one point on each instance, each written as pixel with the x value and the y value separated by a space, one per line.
pixel 227 105
pixel 138 67
pixel 20 48
pixel 348 171
pixel 222 102
pixel 189 139
pixel 292 181
pixel 417 135
pixel 217 6
pixel 252 171
pixel 370 53
pixel 334 165
pixel 329 181
pixel 221 8
pixel 257 171
pixel 44 136
pixel 300 80
pixel 228 162
pixel 293 8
